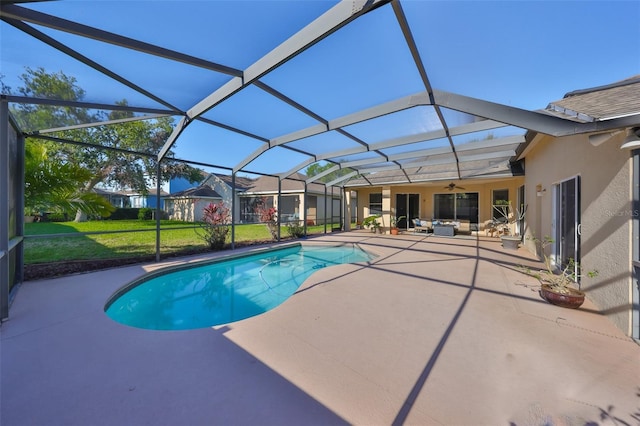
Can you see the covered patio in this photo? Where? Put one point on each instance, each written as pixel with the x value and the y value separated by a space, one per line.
pixel 433 331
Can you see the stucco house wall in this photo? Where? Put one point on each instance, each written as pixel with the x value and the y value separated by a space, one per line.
pixel 606 177
pixel 189 209
pixel 226 192
pixel 428 191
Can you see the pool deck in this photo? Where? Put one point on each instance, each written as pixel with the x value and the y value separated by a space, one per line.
pixel 435 331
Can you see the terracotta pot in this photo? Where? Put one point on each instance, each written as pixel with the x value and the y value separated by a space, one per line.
pixel 573 299
pixel 394 231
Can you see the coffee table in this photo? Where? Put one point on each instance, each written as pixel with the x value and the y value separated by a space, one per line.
pixel 444 230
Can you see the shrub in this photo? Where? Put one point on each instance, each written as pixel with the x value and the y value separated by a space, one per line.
pixel 268 216
pixel 145 213
pixel 295 229
pixel 214 227
pixel 55 217
pixel 127 213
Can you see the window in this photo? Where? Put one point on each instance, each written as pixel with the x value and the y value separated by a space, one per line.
pixel 248 206
pixel 375 203
pixel 500 197
pixel 458 206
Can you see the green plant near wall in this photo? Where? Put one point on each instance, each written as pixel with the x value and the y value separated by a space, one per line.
pixel 372 222
pixel 395 220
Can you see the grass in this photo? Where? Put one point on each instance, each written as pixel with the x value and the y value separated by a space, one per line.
pixel 125 244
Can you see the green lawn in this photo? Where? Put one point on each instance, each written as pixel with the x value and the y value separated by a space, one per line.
pixel 125 244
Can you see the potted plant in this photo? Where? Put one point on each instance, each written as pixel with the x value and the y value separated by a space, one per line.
pixel 372 222
pixel 557 286
pixel 394 224
pixel 511 239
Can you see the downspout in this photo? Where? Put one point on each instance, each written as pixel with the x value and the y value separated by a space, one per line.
pixel 635 268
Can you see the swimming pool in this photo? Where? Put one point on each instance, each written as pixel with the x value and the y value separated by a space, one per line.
pixel 223 291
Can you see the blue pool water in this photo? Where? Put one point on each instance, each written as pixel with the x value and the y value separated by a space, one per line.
pixel 219 292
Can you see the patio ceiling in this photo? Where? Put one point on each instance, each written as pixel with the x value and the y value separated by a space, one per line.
pixel 314 82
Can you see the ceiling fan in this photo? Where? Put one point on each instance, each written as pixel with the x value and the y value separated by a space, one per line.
pixel 453 186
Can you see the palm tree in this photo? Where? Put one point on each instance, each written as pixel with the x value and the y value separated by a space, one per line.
pixel 53 185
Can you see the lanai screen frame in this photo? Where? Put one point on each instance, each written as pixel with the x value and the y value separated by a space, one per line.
pixel 488 115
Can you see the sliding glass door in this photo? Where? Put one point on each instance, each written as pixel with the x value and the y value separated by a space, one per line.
pixel 567 222
pixel 407 205
pixel 457 206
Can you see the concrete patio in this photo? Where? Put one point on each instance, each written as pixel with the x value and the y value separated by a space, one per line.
pixel 434 331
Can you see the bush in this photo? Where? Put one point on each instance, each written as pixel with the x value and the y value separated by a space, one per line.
pixel 268 216
pixel 214 227
pixel 295 229
pixel 56 217
pixel 127 213
pixel 145 213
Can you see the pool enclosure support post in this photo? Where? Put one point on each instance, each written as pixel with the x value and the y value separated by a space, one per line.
pixel 4 210
pixel 347 209
pixel 12 154
pixel 278 211
pixel 342 211
pixel 325 209
pixel 304 209
pixel 233 210
pixel 19 237
pixel 332 209
pixel 158 171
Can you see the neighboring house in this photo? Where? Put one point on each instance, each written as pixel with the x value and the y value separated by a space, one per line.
pixel 223 185
pixel 292 202
pixel 149 200
pixel 583 191
pixel 189 205
pixel 249 193
pixel 117 199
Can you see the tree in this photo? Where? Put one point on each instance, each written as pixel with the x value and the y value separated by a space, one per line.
pixel 54 186
pixel 108 166
pixel 316 169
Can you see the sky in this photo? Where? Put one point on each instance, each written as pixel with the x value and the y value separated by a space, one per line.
pixel 519 53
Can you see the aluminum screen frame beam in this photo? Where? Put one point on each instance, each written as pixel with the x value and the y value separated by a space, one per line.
pixel 531 120
pixel 331 21
pixel 11 11
pixel 85 60
pixel 81 104
pixel 420 137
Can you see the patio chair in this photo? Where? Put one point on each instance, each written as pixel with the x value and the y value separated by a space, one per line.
pixel 421 225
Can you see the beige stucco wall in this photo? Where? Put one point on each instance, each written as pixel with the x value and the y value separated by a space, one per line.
pixel 427 192
pixel 190 209
pixel 606 177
